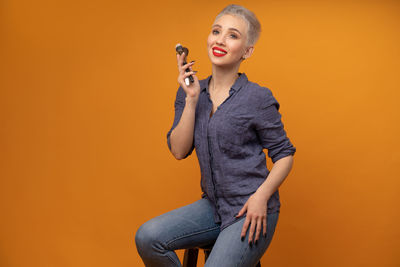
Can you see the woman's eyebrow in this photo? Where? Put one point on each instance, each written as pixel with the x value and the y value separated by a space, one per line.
pixel 233 29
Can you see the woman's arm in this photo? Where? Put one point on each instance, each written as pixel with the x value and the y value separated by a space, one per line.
pixel 272 136
pixel 280 170
pixel 181 137
pixel 256 205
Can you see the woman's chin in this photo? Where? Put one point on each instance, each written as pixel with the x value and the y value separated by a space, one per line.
pixel 219 61
pixel 222 64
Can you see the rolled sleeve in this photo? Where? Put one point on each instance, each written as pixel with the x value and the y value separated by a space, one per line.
pixel 179 106
pixel 270 128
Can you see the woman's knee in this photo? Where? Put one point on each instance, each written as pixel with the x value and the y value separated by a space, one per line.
pixel 146 236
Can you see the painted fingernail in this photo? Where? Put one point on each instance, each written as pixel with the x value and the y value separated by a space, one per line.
pixel 256 242
pixel 265 235
pixel 250 244
pixel 192 61
pixel 242 238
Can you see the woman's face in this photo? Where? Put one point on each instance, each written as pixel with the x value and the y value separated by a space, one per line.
pixel 226 43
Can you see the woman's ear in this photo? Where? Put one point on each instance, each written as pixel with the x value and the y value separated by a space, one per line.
pixel 249 52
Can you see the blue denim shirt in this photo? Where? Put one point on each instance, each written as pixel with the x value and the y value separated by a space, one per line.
pixel 229 144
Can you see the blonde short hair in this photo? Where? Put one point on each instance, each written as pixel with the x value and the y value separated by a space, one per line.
pixel 253 25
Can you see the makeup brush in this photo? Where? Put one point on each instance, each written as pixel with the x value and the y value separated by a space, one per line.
pixel 180 49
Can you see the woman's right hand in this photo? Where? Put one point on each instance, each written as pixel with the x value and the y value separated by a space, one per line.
pixel 193 90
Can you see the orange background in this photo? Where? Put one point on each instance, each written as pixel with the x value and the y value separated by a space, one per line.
pixel 87 91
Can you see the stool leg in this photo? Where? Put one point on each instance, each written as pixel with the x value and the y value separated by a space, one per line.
pixel 258 264
pixel 206 254
pixel 190 257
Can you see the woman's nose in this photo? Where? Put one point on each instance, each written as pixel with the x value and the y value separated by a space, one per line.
pixel 221 39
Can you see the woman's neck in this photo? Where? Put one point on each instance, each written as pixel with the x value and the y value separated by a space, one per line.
pixel 223 78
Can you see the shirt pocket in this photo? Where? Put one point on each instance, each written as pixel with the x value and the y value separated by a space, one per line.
pixel 233 133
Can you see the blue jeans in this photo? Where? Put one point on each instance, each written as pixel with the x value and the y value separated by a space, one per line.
pixel 193 225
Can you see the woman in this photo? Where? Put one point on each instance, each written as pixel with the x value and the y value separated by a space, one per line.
pixel 229 120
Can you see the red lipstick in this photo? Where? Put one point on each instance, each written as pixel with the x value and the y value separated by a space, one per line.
pixel 219 52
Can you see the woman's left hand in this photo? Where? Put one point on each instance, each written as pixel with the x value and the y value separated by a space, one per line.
pixel 256 207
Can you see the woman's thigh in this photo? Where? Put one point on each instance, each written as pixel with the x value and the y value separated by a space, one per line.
pixel 185 227
pixel 230 251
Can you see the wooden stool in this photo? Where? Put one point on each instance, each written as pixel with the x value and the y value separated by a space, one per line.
pixel 191 254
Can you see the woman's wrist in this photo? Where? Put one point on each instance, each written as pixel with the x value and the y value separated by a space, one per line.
pixel 191 100
pixel 264 192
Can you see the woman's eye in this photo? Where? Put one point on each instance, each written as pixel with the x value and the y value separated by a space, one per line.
pixel 234 36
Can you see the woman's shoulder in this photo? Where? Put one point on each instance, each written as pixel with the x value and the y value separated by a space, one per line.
pixel 261 95
pixel 258 90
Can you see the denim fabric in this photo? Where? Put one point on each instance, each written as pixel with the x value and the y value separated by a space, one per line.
pixel 193 225
pixel 229 144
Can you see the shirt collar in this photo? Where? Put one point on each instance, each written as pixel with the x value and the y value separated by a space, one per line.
pixel 240 81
